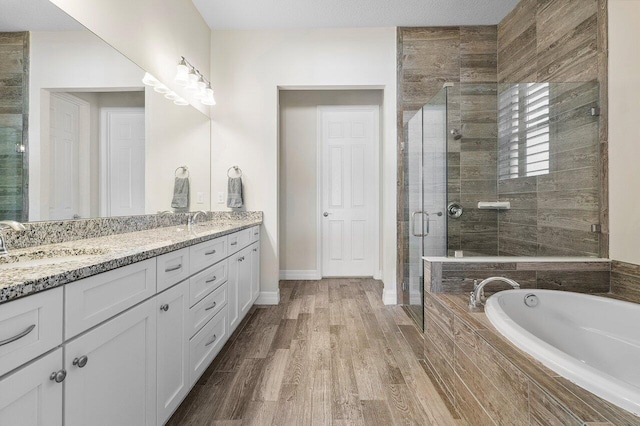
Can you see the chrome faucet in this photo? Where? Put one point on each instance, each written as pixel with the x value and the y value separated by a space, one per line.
pixel 4 224
pixel 194 217
pixel 477 295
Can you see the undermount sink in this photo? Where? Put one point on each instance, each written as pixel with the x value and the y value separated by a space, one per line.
pixel 47 257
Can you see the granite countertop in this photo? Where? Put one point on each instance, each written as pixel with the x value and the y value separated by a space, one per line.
pixel 79 259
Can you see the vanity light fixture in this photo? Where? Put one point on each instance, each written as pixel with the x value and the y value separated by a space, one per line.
pixel 190 77
pixel 157 86
pixel 182 73
pixel 150 80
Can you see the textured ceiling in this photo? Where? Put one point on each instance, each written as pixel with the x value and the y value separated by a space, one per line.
pixel 34 15
pixel 253 14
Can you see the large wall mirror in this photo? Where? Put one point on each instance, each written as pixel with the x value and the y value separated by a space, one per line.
pixel 81 136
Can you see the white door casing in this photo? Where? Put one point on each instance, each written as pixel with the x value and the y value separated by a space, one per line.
pixel 122 149
pixel 348 142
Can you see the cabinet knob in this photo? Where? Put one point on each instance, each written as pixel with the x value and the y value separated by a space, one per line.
pixel 58 376
pixel 80 362
pixel 164 307
pixel 255 249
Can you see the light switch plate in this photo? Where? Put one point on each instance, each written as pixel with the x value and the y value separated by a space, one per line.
pixel 220 197
pixel 200 198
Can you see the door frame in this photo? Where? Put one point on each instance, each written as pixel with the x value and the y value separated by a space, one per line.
pixel 105 117
pixel 84 152
pixel 321 109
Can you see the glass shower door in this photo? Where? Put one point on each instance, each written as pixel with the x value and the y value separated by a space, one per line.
pixel 425 151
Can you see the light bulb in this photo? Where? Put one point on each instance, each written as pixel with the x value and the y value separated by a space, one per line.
pixel 149 80
pixel 193 81
pixel 161 88
pixel 182 73
pixel 208 99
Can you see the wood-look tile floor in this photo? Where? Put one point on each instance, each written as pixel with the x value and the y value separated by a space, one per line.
pixel 330 354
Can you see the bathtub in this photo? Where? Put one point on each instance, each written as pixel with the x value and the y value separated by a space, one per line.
pixel 592 341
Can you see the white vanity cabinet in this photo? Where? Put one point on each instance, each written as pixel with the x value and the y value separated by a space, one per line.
pixel 134 340
pixel 172 310
pixel 31 396
pixel 255 270
pixel 111 371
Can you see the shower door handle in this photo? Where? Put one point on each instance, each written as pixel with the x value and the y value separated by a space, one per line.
pixel 413 223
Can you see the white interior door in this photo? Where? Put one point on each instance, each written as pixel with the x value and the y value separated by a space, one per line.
pixel 124 146
pixel 350 182
pixel 64 190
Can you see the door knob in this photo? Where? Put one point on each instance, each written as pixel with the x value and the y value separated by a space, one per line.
pixel 325 214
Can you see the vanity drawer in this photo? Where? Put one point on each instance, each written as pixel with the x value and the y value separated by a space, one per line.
pixel 29 327
pixel 255 234
pixel 206 254
pixel 173 267
pixel 239 240
pixel 207 308
pixel 206 344
pixel 90 301
pixel 206 281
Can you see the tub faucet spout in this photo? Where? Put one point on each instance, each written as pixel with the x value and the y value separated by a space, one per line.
pixel 477 295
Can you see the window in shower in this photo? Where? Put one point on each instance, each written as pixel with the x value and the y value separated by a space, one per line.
pixel 523 130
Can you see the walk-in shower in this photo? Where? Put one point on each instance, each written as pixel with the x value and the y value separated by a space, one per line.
pixel 507 169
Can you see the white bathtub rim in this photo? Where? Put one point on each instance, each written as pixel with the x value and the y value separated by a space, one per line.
pixel 608 387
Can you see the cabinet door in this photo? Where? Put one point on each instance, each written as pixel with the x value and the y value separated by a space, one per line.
pixel 111 372
pixel 244 281
pixel 172 309
pixel 232 291
pixel 29 397
pixel 255 271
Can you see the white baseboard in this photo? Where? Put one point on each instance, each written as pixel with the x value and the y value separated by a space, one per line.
pixel 300 275
pixel 389 297
pixel 268 298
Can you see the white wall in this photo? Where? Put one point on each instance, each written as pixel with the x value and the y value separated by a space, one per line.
pixel 67 61
pixel 247 69
pixel 298 209
pixel 176 136
pixel 624 131
pixel 152 33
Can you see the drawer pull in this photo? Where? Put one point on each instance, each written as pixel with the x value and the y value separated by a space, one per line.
pixel 257 233
pixel 209 253
pixel 211 307
pixel 175 268
pixel 211 280
pixel 80 362
pixel 18 336
pixel 211 341
pixel 164 307
pixel 235 243
pixel 58 376
pixel 240 259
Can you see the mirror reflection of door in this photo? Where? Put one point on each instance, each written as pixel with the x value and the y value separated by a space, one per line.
pixel 64 189
pixel 123 146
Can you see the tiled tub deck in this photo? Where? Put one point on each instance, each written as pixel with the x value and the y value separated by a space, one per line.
pixel 485 378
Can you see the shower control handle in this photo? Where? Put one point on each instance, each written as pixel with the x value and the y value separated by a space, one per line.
pixel 454 210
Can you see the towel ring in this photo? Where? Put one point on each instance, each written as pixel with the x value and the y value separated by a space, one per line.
pixel 237 170
pixel 184 169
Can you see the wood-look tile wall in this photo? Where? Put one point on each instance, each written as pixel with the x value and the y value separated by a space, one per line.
pixel 559 41
pixel 14 110
pixel 428 58
pixel 489 381
pixel 625 281
pixel 458 278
